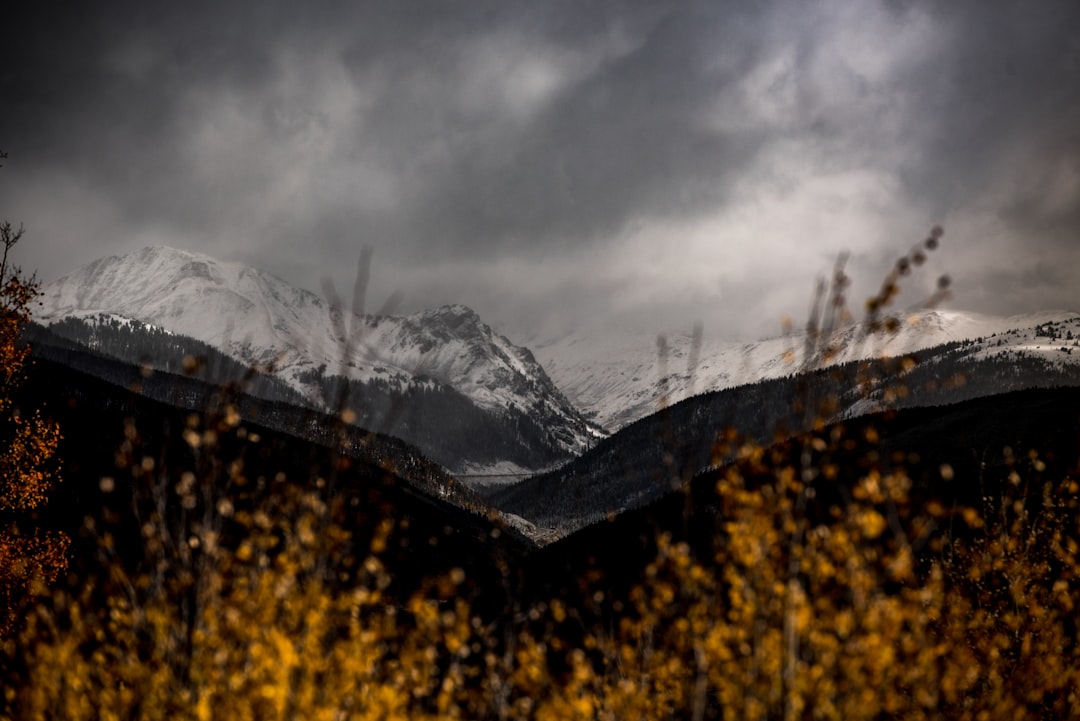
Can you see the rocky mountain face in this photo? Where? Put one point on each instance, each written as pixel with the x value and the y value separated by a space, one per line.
pixel 446 357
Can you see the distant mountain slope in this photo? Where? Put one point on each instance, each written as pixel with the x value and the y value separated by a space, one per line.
pixel 325 353
pixel 1043 355
pixel 617 377
pixel 657 454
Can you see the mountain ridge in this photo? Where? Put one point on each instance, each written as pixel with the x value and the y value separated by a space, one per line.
pixel 639 379
pixel 658 453
pixel 260 320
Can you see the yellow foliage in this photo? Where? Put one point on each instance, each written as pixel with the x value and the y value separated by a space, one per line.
pixel 786 621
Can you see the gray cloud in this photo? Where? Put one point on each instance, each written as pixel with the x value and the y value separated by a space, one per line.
pixel 550 162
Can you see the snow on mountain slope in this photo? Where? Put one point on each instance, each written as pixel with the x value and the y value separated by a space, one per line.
pixel 263 321
pixel 617 377
pixel 1052 337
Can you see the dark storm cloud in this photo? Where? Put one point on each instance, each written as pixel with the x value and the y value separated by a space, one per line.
pixel 999 108
pixel 553 158
pixel 102 95
pixel 621 140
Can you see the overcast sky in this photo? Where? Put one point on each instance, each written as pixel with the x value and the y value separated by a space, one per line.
pixel 558 163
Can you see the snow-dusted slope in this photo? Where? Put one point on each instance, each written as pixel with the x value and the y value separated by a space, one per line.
pixel 261 320
pixel 968 357
pixel 618 377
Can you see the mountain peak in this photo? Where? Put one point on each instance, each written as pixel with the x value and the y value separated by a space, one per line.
pixel 453 311
pixel 166 251
pixel 158 256
pixel 262 321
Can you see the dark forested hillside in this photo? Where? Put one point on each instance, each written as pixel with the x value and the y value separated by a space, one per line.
pixel 449 427
pixel 141 344
pixel 652 456
pixel 961 370
pixel 445 424
pixel 659 453
pixel 960 455
pixel 103 418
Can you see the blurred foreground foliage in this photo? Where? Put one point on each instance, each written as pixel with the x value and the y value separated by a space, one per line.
pixel 266 608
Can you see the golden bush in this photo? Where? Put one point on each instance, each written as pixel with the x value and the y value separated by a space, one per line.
pixel 841 618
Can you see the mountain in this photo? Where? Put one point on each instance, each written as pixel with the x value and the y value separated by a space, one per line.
pixel 1038 350
pixel 437 368
pixel 616 377
pixel 469 399
pixel 659 453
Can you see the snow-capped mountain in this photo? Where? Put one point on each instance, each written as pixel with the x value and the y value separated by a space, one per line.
pixel 262 321
pixel 617 377
pixel 968 358
pixel 1036 350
